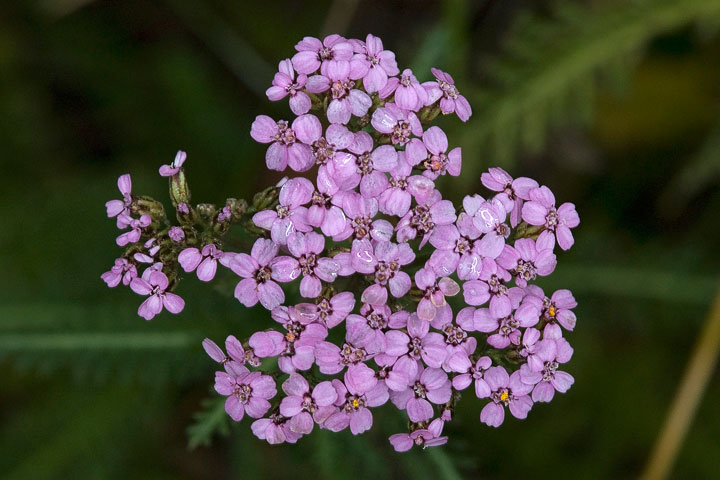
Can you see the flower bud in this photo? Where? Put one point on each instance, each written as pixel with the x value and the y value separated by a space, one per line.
pixel 206 211
pixel 429 113
pixel 528 231
pixel 144 205
pixel 185 214
pixel 237 208
pixel 265 199
pixel 179 190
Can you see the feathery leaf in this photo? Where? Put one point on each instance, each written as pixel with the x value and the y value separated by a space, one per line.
pixel 549 71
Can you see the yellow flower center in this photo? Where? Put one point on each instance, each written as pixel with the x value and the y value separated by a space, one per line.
pixel 551 310
pixel 355 403
pixel 503 396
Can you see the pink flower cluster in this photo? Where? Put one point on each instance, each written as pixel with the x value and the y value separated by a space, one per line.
pixel 434 297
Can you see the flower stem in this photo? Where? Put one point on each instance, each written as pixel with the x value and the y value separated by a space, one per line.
pixel 690 392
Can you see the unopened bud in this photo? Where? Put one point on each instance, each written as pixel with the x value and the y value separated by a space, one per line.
pixel 144 205
pixel 429 113
pixel 206 211
pixel 528 231
pixel 185 214
pixel 179 190
pixel 222 221
pixel 265 199
pixel 237 208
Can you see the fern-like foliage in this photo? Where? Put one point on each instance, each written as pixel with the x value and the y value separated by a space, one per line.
pixel 553 64
pixel 700 173
pixel 210 420
pixel 100 342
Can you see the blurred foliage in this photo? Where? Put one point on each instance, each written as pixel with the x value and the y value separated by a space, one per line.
pixel 93 89
pixel 552 63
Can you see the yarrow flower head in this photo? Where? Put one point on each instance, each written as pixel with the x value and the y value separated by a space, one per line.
pixel 375 290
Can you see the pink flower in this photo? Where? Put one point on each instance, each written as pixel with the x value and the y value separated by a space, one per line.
pixel 360 212
pixel 409 94
pixel 176 234
pixel 451 100
pixel 431 154
pixel 155 286
pixel 370 166
pixel 333 311
pixel 528 258
pixel 470 372
pixel 290 215
pixel 274 430
pixel 512 192
pixel 303 406
pixel 403 187
pixel 488 217
pixel 346 100
pixel 284 84
pixel 115 208
pixel 290 145
pixel 507 328
pixel 548 379
pixel 399 124
pixel 335 164
pixel 418 344
pixel 540 210
pixel 258 271
pixel 457 340
pixel 204 261
pixel 422 437
pixel 332 359
pixel 296 348
pixel 506 390
pixel 306 248
pixel 313 54
pixel 390 257
pixel 536 351
pixel 451 248
pixel 136 225
pixel 237 355
pixel 224 215
pixel 174 167
pixel 430 385
pixel 363 391
pixel 434 292
pixel 556 310
pixel 367 330
pixel 379 64
pixel 425 217
pixel 323 213
pixel 122 271
pixel 247 392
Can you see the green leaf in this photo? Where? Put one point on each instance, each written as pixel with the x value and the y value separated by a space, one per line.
pixel 549 71
pixel 699 173
pixel 48 343
pixel 444 464
pixel 208 421
pixel 634 282
pixel 100 342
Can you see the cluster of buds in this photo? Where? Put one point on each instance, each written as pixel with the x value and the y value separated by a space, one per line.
pixel 434 298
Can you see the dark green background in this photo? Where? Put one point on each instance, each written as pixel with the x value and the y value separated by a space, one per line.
pixel 614 105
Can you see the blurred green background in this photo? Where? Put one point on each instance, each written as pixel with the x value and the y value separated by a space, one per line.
pixel 613 104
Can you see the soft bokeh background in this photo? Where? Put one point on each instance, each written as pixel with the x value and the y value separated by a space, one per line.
pixel 613 104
